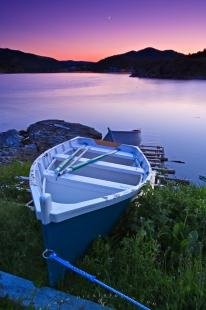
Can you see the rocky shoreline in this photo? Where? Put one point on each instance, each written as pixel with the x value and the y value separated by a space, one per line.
pixel 28 144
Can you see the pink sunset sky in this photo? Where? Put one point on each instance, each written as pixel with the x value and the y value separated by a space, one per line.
pixel 94 29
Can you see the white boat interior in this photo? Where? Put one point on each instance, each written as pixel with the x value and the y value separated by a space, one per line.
pixel 81 174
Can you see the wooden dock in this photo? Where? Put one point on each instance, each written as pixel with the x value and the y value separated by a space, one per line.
pixel 156 156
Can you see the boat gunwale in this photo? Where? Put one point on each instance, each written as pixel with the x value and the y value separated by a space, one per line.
pixel 92 202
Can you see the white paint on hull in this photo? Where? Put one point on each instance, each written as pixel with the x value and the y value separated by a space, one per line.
pixel 108 181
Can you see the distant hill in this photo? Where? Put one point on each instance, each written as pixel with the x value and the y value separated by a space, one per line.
pixel 13 61
pixel 153 63
pixel 180 66
pixel 201 54
pixel 146 63
pixel 130 60
pixel 74 66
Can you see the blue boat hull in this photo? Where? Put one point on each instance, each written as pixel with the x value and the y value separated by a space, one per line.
pixel 70 238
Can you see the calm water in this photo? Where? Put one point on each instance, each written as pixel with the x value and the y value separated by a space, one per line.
pixel 171 113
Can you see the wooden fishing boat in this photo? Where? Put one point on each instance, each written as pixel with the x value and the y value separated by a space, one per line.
pixel 80 188
pixel 132 137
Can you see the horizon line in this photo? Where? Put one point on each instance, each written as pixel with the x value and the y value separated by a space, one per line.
pixel 115 54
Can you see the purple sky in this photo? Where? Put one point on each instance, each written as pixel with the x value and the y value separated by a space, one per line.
pixel 94 29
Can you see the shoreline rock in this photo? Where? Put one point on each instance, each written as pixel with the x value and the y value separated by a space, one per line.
pixel 38 137
pixel 10 138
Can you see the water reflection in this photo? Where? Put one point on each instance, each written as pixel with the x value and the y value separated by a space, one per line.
pixel 172 113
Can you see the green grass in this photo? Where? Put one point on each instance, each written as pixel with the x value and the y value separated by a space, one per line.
pixel 20 232
pixel 10 187
pixel 155 254
pixel 21 242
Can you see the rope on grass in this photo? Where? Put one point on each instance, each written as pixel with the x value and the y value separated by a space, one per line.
pixel 51 255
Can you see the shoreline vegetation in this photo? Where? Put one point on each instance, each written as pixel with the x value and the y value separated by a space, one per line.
pixel 156 253
pixel 145 63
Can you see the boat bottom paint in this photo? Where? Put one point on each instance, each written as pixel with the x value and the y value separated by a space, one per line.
pixel 71 238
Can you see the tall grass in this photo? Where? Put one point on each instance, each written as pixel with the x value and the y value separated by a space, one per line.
pixel 20 233
pixel 10 187
pixel 156 254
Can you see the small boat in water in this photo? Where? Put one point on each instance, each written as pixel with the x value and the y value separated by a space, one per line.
pixel 132 137
pixel 80 188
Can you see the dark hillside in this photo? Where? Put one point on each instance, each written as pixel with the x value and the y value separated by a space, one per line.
pixel 129 61
pixel 12 61
pixel 145 63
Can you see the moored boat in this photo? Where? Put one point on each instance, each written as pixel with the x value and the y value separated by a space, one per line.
pixel 132 137
pixel 80 188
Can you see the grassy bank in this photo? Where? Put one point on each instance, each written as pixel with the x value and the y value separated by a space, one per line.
pixel 20 233
pixel 156 253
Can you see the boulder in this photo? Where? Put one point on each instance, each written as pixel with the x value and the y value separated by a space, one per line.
pixel 30 149
pixel 8 154
pixel 28 144
pixel 48 133
pixel 10 138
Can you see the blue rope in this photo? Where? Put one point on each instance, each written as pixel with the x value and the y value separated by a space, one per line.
pixel 51 255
